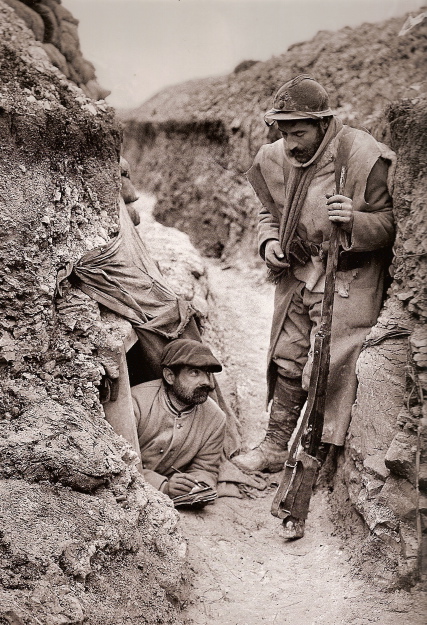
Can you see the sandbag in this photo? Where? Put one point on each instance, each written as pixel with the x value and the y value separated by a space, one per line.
pixel 64 15
pixel 68 47
pixel 70 44
pixel 84 69
pixel 57 59
pixel 30 17
pixel 74 75
pixel 96 92
pixel 51 28
pixel 53 6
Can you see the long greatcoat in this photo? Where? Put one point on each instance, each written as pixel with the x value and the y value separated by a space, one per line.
pixel 360 291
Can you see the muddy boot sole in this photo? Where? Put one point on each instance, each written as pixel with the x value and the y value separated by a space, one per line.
pixel 292 529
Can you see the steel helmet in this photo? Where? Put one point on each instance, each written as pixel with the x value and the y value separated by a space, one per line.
pixel 299 98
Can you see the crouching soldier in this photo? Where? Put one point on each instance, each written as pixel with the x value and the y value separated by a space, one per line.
pixel 180 428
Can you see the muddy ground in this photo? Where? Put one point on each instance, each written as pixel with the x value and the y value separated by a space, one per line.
pixel 244 572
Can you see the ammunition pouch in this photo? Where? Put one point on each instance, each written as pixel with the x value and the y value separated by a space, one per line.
pixel 301 251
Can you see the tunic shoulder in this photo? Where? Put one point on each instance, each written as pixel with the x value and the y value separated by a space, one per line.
pixel 143 396
pixel 365 152
pixel 152 384
pixel 271 153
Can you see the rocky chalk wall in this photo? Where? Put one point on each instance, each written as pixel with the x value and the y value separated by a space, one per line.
pixel 384 465
pixel 83 539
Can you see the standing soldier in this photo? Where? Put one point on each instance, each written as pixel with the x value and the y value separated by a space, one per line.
pixel 294 179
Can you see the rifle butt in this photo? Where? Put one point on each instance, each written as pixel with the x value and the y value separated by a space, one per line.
pixel 293 495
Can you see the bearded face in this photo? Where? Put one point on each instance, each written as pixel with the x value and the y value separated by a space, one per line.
pixel 302 138
pixel 192 385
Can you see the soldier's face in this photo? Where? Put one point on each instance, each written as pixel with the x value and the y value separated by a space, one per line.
pixel 192 385
pixel 301 138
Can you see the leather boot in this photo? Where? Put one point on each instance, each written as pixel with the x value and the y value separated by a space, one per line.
pixel 293 528
pixel 288 399
pixel 267 456
pixel 271 454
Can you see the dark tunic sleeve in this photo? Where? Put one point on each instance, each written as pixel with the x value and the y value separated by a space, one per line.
pixel 269 215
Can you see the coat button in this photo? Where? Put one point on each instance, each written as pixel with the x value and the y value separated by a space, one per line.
pixel 161 451
pixel 179 425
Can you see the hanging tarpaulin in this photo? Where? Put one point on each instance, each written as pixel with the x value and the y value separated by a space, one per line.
pixel 123 277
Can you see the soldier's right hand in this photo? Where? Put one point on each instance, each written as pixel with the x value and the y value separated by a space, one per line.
pixel 274 257
pixel 179 484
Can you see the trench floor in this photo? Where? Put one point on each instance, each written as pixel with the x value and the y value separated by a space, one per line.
pixel 243 572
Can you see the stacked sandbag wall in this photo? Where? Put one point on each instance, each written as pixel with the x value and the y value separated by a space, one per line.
pixel 83 538
pixel 57 30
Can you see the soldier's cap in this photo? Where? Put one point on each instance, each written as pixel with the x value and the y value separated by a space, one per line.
pixel 300 98
pixel 190 353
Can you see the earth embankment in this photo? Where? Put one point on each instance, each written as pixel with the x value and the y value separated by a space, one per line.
pixel 83 538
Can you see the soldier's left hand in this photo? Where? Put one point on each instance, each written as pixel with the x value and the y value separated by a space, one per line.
pixel 340 211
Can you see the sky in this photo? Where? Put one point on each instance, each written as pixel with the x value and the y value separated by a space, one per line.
pixel 139 47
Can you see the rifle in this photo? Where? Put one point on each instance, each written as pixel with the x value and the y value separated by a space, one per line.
pixel 294 492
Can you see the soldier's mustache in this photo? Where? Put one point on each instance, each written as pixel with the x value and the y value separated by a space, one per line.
pixel 206 388
pixel 297 152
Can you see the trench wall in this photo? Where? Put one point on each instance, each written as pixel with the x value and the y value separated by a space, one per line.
pixel 382 471
pixel 191 144
pixel 83 539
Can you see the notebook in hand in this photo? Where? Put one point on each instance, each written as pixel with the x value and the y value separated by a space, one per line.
pixel 201 493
